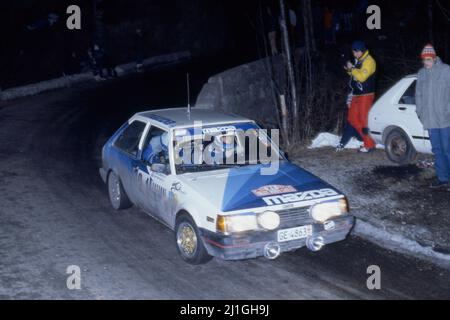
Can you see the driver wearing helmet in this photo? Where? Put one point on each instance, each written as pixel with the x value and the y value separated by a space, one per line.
pixel 157 149
pixel 222 149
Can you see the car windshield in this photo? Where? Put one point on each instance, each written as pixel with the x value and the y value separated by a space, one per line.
pixel 224 146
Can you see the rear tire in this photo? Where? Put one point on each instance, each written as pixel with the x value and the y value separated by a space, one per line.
pixel 399 148
pixel 117 196
pixel 189 242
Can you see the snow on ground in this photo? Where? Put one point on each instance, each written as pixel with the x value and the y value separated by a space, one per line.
pixel 393 200
pixel 326 139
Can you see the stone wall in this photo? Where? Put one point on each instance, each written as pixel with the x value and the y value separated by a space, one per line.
pixel 246 90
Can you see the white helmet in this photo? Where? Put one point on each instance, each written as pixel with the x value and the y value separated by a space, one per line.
pixel 224 141
pixel 164 139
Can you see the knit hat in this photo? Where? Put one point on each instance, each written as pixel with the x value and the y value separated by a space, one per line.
pixel 428 52
pixel 359 46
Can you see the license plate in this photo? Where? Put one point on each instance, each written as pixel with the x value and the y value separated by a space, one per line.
pixel 294 233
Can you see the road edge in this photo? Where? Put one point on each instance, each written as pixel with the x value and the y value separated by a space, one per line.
pixel 399 243
pixel 70 80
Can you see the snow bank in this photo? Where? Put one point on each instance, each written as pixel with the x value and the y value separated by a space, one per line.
pixel 326 139
pixel 395 241
pixel 67 81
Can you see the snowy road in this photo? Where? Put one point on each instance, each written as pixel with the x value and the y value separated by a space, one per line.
pixel 54 212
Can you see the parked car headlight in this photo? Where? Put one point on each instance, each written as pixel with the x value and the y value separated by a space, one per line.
pixel 325 211
pixel 269 220
pixel 237 223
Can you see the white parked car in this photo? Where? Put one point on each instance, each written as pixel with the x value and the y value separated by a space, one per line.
pixel 394 123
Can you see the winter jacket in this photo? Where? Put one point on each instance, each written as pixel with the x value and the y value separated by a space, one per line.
pixel 433 96
pixel 363 75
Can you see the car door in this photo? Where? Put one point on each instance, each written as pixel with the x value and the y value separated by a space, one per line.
pixel 153 188
pixel 407 111
pixel 127 148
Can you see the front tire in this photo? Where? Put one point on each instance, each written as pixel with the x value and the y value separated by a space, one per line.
pixel 117 196
pixel 399 148
pixel 189 243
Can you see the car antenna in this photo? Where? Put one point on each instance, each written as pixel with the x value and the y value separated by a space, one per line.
pixel 188 95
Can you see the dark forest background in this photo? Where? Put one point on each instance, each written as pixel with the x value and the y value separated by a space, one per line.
pixel 224 30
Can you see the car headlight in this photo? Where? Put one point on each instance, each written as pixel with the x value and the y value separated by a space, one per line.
pixel 324 211
pixel 269 220
pixel 236 223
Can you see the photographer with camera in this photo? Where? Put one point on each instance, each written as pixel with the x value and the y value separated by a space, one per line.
pixel 362 83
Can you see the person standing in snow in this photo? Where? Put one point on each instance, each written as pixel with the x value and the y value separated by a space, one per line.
pixel 433 110
pixel 362 83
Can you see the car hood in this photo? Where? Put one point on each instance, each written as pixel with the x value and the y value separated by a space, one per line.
pixel 246 188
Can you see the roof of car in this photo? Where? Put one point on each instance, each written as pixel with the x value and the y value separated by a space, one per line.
pixel 179 117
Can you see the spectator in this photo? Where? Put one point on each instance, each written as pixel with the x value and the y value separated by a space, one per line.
pixel 433 109
pixel 362 83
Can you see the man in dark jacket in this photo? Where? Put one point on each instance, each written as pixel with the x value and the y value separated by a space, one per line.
pixel 433 109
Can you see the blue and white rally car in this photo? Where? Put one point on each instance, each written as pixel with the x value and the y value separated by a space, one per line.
pixel 203 174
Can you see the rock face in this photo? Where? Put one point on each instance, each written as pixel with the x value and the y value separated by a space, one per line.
pixel 246 90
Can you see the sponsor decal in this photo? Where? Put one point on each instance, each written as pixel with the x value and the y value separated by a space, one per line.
pixel 219 129
pixel 271 190
pixel 161 119
pixel 299 196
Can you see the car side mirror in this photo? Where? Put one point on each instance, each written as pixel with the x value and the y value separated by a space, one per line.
pixel 158 167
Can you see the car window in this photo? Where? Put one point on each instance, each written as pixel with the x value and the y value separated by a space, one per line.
pixel 153 132
pixel 155 148
pixel 129 140
pixel 409 97
pixel 219 147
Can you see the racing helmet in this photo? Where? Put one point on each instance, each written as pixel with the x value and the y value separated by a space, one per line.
pixel 164 140
pixel 225 141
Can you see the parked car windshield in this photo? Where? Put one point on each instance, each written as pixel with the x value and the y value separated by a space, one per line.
pixel 224 146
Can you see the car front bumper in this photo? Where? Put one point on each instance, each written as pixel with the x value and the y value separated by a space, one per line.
pixel 252 245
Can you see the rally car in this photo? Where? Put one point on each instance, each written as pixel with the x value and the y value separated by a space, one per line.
pixel 394 123
pixel 202 173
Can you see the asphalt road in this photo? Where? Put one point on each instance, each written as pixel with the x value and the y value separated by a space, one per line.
pixel 54 212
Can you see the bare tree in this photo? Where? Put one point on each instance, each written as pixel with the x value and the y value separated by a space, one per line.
pixel 293 105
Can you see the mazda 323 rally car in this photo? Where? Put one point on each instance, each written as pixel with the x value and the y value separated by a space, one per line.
pixel 168 165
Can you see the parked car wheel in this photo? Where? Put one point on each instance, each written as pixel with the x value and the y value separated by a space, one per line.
pixel 399 148
pixel 189 243
pixel 117 196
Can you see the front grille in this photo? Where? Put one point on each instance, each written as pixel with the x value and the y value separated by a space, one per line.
pixel 295 217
